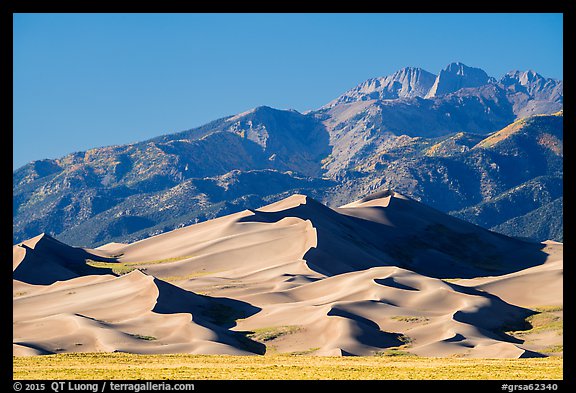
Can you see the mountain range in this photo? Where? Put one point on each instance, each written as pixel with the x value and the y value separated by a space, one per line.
pixel 485 150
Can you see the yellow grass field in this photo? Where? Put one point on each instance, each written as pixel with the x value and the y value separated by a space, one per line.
pixel 198 367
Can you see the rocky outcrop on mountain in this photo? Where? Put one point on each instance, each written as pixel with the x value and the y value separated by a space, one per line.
pixel 531 93
pixel 534 85
pixel 455 77
pixel 405 83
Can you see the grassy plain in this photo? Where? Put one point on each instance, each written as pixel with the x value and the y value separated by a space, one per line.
pixel 197 367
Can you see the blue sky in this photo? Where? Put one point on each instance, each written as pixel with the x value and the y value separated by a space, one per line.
pixel 91 80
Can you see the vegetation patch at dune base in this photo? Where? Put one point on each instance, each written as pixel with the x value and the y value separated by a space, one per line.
pixel 196 367
pixel 121 268
pixel 272 333
pixel 546 319
pixel 142 337
pixel 410 319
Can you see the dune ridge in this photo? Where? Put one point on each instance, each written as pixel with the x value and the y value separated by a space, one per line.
pixel 381 275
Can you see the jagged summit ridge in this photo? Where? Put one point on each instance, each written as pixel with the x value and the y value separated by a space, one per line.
pixel 411 82
pixel 534 84
pixel 404 83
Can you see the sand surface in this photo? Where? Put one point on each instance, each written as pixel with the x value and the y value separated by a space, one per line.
pixel 381 275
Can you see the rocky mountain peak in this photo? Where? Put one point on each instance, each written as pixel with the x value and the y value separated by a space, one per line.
pixel 413 82
pixel 534 85
pixel 455 77
pixel 523 78
pixel 405 83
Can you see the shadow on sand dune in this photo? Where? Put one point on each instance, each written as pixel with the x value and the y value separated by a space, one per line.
pixel 46 260
pixel 406 234
pixel 215 313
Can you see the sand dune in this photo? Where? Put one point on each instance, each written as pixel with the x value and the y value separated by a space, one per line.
pixel 127 313
pixel 381 274
pixel 361 306
pixel 532 287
